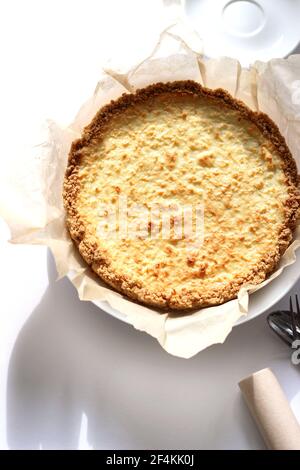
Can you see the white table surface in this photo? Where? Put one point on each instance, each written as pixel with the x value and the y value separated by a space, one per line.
pixel 71 376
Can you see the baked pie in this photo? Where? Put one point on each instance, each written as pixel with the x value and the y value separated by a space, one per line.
pixel 164 149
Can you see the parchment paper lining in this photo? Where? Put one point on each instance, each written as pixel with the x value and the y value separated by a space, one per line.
pixel 267 87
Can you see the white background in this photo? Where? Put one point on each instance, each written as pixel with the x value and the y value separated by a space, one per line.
pixel 71 376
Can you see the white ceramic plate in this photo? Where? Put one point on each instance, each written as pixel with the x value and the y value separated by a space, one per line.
pixel 247 30
pixel 260 301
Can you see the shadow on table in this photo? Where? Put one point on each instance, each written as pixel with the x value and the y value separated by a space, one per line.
pixel 72 359
pixel 68 360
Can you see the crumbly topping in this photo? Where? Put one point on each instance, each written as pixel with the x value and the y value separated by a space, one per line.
pixel 186 144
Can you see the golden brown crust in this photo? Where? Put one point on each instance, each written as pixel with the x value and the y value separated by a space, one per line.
pixel 185 299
